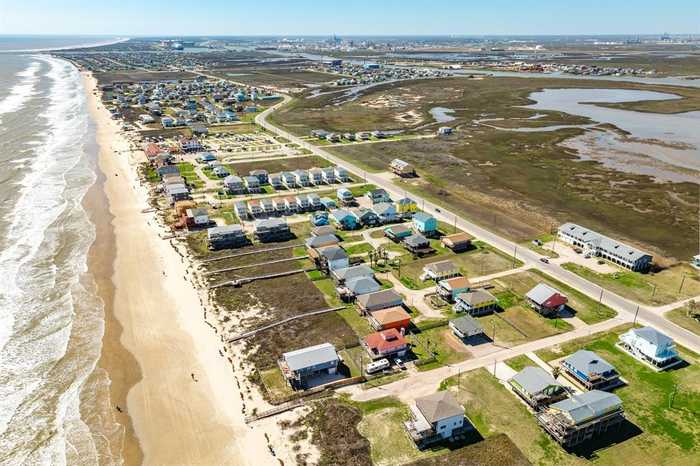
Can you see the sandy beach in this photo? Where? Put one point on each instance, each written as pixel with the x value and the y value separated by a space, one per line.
pixel 179 397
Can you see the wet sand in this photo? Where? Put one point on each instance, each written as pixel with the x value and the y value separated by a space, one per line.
pixel 156 336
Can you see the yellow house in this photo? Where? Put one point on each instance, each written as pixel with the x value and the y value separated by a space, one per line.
pixel 406 205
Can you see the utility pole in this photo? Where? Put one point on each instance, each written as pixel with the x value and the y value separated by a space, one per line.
pixel 600 300
pixel 494 368
pixel 515 252
pixel 653 291
pixel 635 315
pixel 454 230
pixel 672 397
pixel 682 282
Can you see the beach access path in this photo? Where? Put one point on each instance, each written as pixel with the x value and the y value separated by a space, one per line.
pixel 186 409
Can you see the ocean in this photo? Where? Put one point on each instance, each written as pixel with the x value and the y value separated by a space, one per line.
pixel 51 318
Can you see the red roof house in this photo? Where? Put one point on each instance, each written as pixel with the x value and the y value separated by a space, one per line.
pixel 386 343
pixel 546 300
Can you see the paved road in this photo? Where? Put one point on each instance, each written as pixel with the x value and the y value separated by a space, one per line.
pixel 626 309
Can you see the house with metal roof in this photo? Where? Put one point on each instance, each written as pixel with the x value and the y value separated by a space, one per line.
pixel 476 302
pixel 466 326
pixel 650 346
pixel 300 365
pixel 591 371
pixel 607 248
pixel 546 300
pixel 439 270
pixel 457 242
pixel 424 224
pixel 340 276
pixel 397 233
pixel 537 387
pixel 383 299
pixel 333 258
pixel 392 317
pixel 450 288
pixel 418 245
pixel 234 184
pixel 323 230
pixel 344 219
pixel 226 236
pixel 359 286
pixel 401 168
pixel 580 418
pixel 435 418
pixel 379 195
pixel 272 229
pixel 321 241
pixel 365 217
pixel 386 211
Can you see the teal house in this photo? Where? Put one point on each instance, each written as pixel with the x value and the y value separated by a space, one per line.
pixel 425 224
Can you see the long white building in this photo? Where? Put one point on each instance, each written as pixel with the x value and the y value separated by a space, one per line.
pixel 607 248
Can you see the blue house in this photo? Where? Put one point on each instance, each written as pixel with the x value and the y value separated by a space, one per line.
pixel 425 224
pixel 328 203
pixel 301 365
pixel 344 219
pixel 591 371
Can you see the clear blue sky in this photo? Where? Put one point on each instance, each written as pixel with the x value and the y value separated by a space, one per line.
pixel 359 17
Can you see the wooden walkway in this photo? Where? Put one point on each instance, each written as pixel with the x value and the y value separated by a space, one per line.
pixel 278 261
pixel 241 336
pixel 248 253
pixel 243 281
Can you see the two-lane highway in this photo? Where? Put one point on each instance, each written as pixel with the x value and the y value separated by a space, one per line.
pixel 626 309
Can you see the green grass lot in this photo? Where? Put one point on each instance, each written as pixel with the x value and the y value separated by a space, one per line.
pixel 274 383
pixel 238 128
pixel 682 317
pixel 358 323
pixel 149 173
pixel 210 174
pixel 274 77
pixel 482 260
pixel 519 363
pixel 648 288
pixel 586 308
pixel 327 287
pixel 440 343
pixel 520 324
pixel 285 164
pixel 188 173
pixel 227 214
pixel 669 435
pixel 359 248
pixel 382 425
pixel 493 410
pixel 475 173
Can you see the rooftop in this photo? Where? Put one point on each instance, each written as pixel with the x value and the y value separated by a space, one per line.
pixel 438 406
pixel 310 356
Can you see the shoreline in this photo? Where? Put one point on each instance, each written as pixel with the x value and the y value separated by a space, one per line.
pixel 116 365
pixel 182 404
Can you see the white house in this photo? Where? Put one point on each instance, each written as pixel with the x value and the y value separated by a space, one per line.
pixel 651 346
pixel 435 417
pixel 602 246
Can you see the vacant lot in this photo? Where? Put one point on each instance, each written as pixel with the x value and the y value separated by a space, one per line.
pixel 518 324
pixel 483 260
pixel 584 307
pixel 498 450
pixel 684 317
pixel 273 166
pixel 519 183
pixel 275 77
pixel 663 287
pixel 669 426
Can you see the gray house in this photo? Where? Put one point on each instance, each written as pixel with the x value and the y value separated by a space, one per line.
pixel 371 302
pixel 300 365
pixel 537 387
pixel 435 418
pixel 580 418
pixel 340 276
pixel 591 371
pixel 466 326
pixel 227 236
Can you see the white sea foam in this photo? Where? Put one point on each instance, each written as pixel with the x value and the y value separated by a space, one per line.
pixel 21 92
pixel 50 325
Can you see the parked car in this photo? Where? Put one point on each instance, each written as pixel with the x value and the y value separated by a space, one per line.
pixel 400 364
pixel 544 259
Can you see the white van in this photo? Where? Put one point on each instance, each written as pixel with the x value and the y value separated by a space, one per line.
pixel 377 366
